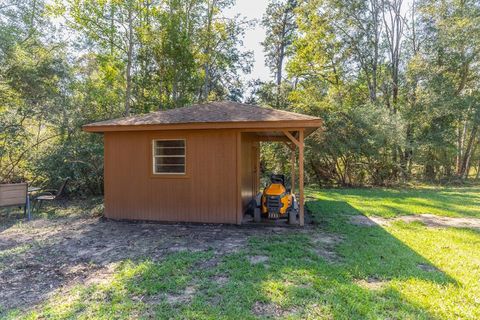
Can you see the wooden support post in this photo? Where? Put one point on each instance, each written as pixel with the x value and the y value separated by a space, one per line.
pixel 291 137
pixel 300 177
pixel 293 172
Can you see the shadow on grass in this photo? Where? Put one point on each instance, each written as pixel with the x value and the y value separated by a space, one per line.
pixel 369 250
pixel 92 207
pixel 296 282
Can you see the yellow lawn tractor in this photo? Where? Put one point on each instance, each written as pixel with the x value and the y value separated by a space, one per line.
pixel 276 201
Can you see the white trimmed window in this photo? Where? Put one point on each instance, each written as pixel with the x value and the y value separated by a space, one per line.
pixel 169 156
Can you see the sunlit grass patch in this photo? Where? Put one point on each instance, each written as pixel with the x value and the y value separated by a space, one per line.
pixel 454 252
pixel 9 254
pixel 14 251
pixel 452 202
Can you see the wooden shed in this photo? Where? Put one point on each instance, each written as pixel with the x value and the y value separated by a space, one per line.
pixel 194 164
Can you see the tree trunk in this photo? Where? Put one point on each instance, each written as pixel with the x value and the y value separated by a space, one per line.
pixel 280 57
pixel 462 134
pixel 458 158
pixel 32 16
pixel 477 174
pixel 469 162
pixel 112 28
pixel 407 153
pixel 376 44
pixel 129 62
pixel 430 167
pixel 281 53
pixel 206 85
pixel 468 152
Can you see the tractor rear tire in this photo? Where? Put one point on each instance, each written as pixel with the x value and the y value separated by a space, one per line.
pixel 257 217
pixel 292 217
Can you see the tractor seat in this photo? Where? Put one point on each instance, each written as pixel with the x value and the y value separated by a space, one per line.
pixel 277 178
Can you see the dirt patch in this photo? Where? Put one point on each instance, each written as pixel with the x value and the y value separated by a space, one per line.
pixel 328 255
pixel 327 239
pixel 43 257
pixel 324 245
pixel 365 221
pixel 257 259
pixel 220 279
pixel 372 283
pixel 271 309
pixel 428 220
pixel 208 264
pixel 184 297
pixel 431 220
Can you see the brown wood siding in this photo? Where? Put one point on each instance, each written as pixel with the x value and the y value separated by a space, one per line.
pixel 207 193
pixel 248 161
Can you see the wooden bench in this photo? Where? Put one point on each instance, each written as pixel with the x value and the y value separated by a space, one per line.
pixel 15 194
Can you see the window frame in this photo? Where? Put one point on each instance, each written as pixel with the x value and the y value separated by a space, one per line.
pixel 154 156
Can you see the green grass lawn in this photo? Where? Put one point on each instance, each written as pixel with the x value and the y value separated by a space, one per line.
pixel 402 271
pixel 441 201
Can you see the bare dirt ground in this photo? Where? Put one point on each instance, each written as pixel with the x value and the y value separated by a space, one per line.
pixel 372 283
pixel 429 220
pixel 270 310
pixel 44 256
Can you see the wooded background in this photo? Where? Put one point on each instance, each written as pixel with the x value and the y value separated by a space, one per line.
pixel 396 82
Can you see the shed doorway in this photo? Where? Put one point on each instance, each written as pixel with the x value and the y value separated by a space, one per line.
pixel 250 173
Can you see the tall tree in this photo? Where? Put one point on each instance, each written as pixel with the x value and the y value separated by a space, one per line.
pixel 280 27
pixel 33 81
pixel 449 71
pixel 111 26
pixel 394 21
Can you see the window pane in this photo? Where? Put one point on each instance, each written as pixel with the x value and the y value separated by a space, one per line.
pixel 169 160
pixel 170 151
pixel 170 169
pixel 169 156
pixel 170 143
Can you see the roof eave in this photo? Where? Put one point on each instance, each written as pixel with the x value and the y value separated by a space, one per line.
pixel 280 124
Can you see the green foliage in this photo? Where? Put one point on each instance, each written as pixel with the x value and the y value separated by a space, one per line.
pixel 78 157
pixel 32 101
pixel 351 149
pixel 279 22
pixel 103 59
pixel 396 85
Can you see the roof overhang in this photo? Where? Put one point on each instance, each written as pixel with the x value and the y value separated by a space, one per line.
pixel 278 135
pixel 308 125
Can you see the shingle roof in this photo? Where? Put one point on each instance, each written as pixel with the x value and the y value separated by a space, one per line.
pixel 214 112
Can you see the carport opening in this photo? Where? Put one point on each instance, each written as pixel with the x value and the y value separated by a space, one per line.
pixel 266 198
